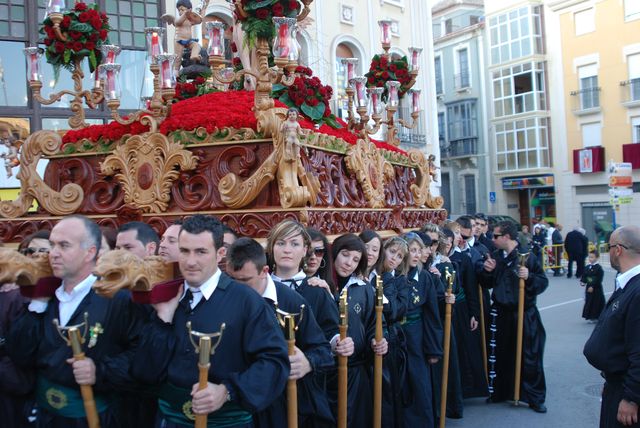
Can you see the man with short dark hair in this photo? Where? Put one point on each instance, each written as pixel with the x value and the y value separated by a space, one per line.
pixel 483 235
pixel 503 273
pixel 138 238
pixel 229 236
pixel 614 345
pixel 168 248
pixel 114 325
pixel 247 263
pixel 250 366
pixel 576 244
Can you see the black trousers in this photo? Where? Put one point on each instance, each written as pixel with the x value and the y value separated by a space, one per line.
pixel 611 396
pixel 579 259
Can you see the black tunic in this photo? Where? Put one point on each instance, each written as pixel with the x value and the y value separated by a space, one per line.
pixel 313 405
pixel 251 359
pixel 594 300
pixel 472 376
pixel 614 349
pixel 505 283
pixel 361 330
pixel 423 331
pixel 15 382
pixel 35 342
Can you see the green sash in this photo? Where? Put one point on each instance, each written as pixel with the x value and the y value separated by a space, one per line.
pixel 411 319
pixel 64 401
pixel 175 404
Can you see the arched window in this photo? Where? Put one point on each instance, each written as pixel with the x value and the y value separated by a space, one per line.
pixel 344 49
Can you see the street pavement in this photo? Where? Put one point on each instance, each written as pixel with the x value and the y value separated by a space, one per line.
pixel 573 386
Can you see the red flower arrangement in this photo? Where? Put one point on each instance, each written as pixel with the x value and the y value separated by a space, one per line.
pixel 383 69
pixel 256 15
pixel 196 87
pixel 86 29
pixel 309 95
pixel 211 111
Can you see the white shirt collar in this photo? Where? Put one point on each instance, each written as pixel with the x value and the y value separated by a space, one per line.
pixel 270 291
pixel 354 280
pixel 207 288
pixel 298 278
pixel 69 302
pixel 372 274
pixel 623 279
pixel 456 249
pixel 472 241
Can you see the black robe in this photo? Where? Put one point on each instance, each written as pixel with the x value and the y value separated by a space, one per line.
pixel 455 406
pixel 313 405
pixel 35 342
pixel 362 327
pixel 251 359
pixel 15 382
pixel 394 364
pixel 594 301
pixel 505 283
pixel 614 349
pixel 423 331
pixel 472 376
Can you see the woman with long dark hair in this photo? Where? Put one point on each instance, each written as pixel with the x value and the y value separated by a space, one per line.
pixel 318 265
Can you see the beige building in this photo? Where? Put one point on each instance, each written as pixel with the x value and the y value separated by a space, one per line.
pixel 597 86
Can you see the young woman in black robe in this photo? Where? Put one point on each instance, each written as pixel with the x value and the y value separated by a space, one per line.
pixel 594 293
pixel 349 256
pixel 423 332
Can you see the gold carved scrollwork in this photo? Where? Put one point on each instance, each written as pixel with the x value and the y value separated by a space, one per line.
pixel 236 193
pixel 147 169
pixel 65 202
pixel 424 172
pixel 371 170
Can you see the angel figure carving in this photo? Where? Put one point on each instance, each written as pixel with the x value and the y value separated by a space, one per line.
pixel 10 151
pixel 291 131
pixel 184 38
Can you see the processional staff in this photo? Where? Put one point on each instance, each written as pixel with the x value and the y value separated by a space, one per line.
pixel 377 362
pixel 522 257
pixel 483 337
pixel 450 278
pixel 205 348
pixel 290 326
pixel 71 335
pixel 342 362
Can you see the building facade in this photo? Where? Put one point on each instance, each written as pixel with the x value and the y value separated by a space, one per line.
pixel 458 33
pixel 520 129
pixel 601 108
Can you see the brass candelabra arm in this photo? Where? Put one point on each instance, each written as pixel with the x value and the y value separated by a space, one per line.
pixel 414 121
pixel 143 116
pixel 36 87
pixel 305 10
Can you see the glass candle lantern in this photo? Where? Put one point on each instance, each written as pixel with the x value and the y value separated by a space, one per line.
pixel 215 33
pixel 359 86
pixel 153 36
pixel 33 55
pixel 393 86
pixel 109 53
pixel 385 31
pixel 414 54
pixel 109 75
pixel 415 99
pixel 167 78
pixel 285 45
pixel 55 6
pixel 375 99
pixel 350 65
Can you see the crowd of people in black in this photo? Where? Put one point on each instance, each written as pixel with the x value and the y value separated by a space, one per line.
pixel 142 365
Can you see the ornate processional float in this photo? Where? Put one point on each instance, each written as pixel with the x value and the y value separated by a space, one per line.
pixel 223 139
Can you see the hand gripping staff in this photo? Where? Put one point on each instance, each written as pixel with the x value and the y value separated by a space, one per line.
pixel 205 349
pixel 290 326
pixel 71 335
pixel 450 278
pixel 342 362
pixel 377 362
pixel 522 258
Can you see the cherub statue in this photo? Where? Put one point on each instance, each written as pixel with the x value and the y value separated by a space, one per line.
pixel 184 38
pixel 291 130
pixel 10 154
pixel 433 169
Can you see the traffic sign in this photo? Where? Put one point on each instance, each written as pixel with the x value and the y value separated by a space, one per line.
pixel 492 197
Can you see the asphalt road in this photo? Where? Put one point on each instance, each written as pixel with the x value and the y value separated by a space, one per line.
pixel 573 386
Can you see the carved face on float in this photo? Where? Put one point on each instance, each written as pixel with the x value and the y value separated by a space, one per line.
pixel 115 270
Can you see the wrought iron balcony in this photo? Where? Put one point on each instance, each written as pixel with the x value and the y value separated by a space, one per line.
pixel 465 147
pixel 586 101
pixel 630 92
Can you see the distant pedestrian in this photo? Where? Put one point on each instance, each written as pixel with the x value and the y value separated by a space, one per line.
pixel 576 244
pixel 594 293
pixel 556 242
pixel 614 345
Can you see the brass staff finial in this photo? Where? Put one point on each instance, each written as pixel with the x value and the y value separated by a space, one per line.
pixel 288 321
pixel 379 290
pixel 344 306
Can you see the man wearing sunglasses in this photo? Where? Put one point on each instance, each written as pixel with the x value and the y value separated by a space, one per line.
pixel 502 273
pixel 614 345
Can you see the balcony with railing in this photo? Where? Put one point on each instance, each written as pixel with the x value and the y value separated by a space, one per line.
pixel 412 138
pixel 586 101
pixel 630 92
pixel 462 81
pixel 466 147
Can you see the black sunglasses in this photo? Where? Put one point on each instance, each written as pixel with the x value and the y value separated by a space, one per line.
pixel 30 251
pixel 318 251
pixel 497 235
